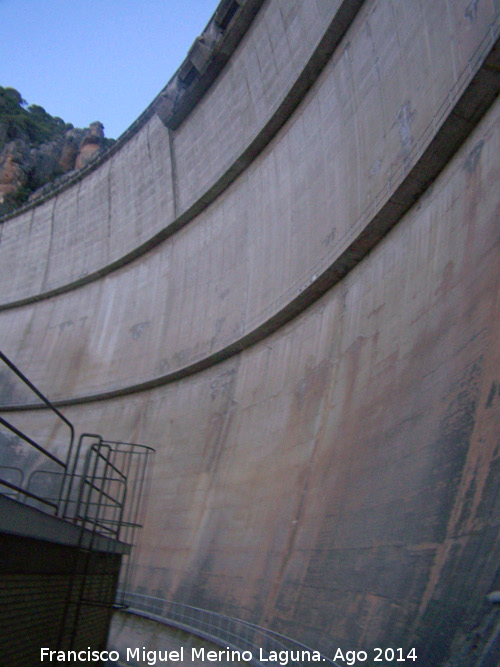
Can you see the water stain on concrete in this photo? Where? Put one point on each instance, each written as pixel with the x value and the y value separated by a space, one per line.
pixel 491 396
pixel 471 10
pixel 473 157
pixel 138 329
pixel 405 119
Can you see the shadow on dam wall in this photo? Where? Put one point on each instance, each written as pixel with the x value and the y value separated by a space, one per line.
pixel 285 278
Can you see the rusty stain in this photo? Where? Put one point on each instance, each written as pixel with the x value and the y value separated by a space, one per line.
pixel 447 278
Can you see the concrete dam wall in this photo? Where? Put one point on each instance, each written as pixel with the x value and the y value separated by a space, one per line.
pixel 286 279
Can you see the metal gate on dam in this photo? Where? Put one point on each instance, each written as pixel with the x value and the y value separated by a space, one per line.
pixel 286 275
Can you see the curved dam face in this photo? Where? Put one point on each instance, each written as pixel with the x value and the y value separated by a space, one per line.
pixel 290 288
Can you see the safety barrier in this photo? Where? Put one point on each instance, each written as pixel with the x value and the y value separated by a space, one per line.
pixel 54 504
pixel 232 633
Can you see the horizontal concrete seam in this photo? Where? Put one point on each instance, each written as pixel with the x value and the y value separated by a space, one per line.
pixel 405 194
pixel 321 54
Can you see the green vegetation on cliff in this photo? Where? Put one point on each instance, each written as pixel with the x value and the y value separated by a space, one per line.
pixel 30 123
pixel 37 149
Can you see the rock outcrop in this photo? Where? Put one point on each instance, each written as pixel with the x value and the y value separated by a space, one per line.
pixel 25 169
pixel 36 150
pixel 90 145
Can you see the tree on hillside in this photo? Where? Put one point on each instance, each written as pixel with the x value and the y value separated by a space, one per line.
pixel 32 123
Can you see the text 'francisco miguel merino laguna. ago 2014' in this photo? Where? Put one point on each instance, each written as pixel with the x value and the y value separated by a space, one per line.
pixel 282 658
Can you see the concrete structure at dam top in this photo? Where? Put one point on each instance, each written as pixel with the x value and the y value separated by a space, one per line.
pixel 286 279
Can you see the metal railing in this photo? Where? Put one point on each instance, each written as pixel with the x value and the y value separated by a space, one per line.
pixel 108 492
pixel 11 472
pixel 101 487
pixel 106 497
pixel 100 484
pixel 98 510
pixel 102 492
pixel 55 504
pixel 225 631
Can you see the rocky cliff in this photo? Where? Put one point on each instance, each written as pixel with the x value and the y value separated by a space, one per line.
pixel 37 149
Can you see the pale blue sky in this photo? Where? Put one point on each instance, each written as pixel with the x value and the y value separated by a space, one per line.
pixel 87 60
